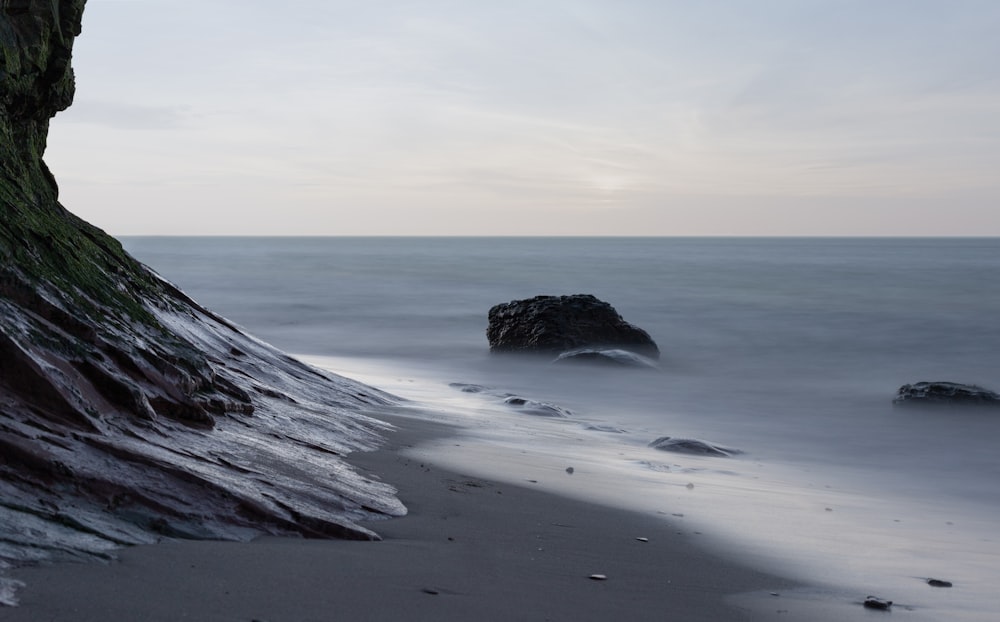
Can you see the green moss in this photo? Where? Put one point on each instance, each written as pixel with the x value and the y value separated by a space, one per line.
pixel 85 269
pixel 49 245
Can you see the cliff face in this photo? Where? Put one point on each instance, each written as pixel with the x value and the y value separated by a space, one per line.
pixel 85 297
pixel 127 411
pixel 36 39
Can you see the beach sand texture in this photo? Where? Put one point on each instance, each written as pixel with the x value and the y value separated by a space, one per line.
pixel 470 549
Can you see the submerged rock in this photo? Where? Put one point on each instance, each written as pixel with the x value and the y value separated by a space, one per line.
pixel 538 409
pixel 465 387
pixel 614 357
pixel 945 393
pixel 873 602
pixel 127 411
pixel 693 446
pixel 557 324
pixel 609 429
pixel 521 404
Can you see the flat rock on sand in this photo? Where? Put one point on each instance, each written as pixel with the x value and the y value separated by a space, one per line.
pixel 470 549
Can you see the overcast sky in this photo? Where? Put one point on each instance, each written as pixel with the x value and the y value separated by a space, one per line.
pixel 578 117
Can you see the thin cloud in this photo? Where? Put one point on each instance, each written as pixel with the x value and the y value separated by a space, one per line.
pixel 639 104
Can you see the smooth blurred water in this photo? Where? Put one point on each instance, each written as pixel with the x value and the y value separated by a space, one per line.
pixel 797 336
pixel 789 349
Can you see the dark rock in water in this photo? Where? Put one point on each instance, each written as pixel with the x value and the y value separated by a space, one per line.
pixel 467 388
pixel 556 324
pixel 945 393
pixel 873 602
pixel 522 404
pixel 539 409
pixel 938 583
pixel 693 446
pixel 610 429
pixel 127 411
pixel 614 357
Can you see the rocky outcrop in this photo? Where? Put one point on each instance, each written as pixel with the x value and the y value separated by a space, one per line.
pixel 945 393
pixel 127 411
pixel 557 324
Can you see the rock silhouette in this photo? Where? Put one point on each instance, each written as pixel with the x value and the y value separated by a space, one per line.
pixel 558 324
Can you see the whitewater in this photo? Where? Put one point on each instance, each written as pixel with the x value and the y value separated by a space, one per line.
pixel 788 350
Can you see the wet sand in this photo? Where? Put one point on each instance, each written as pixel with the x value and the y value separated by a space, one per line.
pixel 469 549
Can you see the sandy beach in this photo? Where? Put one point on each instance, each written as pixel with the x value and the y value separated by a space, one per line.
pixel 469 549
pixel 771 254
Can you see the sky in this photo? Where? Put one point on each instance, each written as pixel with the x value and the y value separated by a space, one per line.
pixel 544 117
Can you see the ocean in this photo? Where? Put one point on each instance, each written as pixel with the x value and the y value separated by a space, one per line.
pixel 789 350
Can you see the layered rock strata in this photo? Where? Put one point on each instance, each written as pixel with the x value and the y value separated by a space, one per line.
pixel 127 411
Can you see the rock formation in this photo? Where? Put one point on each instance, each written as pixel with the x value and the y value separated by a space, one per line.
pixel 557 324
pixel 945 393
pixel 127 411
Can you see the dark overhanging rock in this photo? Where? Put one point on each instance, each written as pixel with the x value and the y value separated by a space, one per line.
pixel 945 394
pixel 554 325
pixel 128 412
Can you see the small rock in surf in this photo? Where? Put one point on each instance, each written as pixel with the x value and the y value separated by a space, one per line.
pixel 945 393
pixel 693 446
pixel 614 357
pixel 873 602
pixel 539 409
pixel 467 388
pixel 610 429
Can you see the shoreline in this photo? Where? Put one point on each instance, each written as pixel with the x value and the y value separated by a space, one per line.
pixel 468 549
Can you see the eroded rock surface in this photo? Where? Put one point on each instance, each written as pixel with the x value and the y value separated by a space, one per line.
pixel 557 324
pixel 127 411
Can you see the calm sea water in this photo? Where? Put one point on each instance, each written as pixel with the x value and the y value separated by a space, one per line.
pixel 788 349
